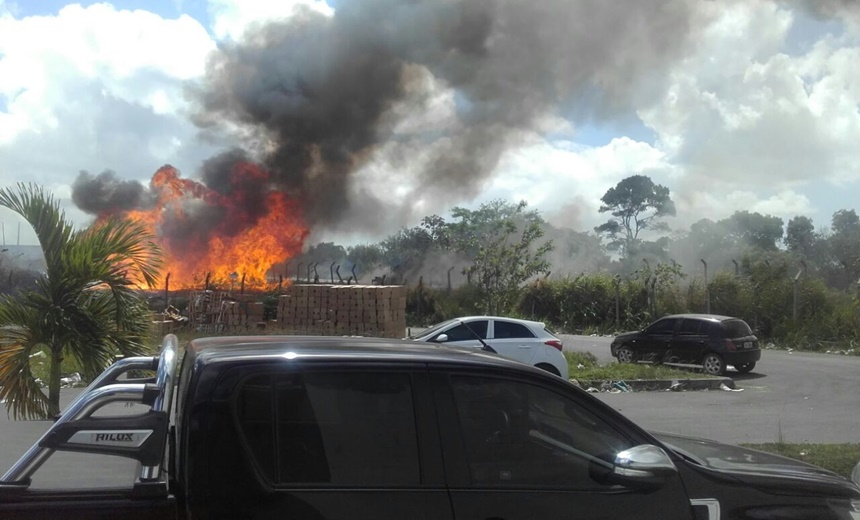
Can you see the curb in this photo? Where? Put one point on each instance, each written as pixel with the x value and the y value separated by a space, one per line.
pixel 656 385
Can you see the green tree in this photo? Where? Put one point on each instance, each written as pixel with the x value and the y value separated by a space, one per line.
pixel 844 245
pixel 365 256
pixel 502 241
pixel 800 236
pixel 755 230
pixel 405 250
pixel 85 305
pixel 636 204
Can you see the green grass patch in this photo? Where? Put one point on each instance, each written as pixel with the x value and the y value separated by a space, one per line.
pixel 584 366
pixel 838 458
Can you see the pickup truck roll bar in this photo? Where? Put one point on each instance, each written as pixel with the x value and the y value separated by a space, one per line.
pixel 141 437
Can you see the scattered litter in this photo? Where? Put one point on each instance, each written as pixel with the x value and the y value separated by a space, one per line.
pixel 70 381
pixel 580 366
pixel 621 386
pixel 725 387
pixel 615 391
pixel 676 386
pixel 575 382
pixel 40 354
pixel 592 390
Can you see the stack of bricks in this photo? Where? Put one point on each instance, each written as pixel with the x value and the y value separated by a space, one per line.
pixel 240 314
pixel 354 310
pixel 162 326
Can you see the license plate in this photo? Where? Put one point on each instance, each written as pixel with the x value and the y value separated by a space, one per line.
pixel 747 344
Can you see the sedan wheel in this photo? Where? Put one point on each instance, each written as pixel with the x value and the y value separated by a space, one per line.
pixel 713 364
pixel 745 368
pixel 625 354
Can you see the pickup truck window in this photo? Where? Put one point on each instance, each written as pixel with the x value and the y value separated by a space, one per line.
pixel 338 428
pixel 524 436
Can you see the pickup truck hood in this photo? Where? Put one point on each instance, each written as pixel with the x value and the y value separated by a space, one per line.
pixel 771 473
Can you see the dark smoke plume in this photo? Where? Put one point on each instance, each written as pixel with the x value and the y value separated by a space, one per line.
pixel 343 112
pixel 317 99
pixel 107 193
pixel 829 9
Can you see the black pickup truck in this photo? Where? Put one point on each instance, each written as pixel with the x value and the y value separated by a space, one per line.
pixel 353 428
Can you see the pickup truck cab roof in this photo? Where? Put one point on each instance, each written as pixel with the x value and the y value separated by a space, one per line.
pixel 319 348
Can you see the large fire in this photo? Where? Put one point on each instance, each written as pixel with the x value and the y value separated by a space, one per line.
pixel 242 239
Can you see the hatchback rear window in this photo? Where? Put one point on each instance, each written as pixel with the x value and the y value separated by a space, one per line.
pixel 507 329
pixel 736 328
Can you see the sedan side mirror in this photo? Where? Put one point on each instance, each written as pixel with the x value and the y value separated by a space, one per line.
pixel 641 466
pixel 441 338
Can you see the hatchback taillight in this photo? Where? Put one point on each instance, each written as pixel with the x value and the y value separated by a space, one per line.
pixel 554 343
pixel 730 345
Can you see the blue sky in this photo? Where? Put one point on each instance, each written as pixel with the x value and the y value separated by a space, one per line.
pixel 760 113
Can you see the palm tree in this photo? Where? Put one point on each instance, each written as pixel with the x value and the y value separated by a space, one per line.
pixel 85 305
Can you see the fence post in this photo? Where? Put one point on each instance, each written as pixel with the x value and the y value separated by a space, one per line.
pixel 794 305
pixel 617 302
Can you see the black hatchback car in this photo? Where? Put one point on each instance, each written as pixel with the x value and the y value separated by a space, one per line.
pixel 709 340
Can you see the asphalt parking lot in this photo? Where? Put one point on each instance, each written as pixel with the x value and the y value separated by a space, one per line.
pixel 793 396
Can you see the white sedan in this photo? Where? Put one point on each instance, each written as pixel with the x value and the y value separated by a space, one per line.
pixel 526 341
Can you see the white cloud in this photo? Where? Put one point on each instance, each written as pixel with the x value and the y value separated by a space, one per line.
pixel 97 88
pixel 550 174
pixel 742 118
pixel 232 17
pixel 41 54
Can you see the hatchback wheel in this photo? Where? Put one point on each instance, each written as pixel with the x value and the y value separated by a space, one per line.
pixel 714 365
pixel 747 367
pixel 625 354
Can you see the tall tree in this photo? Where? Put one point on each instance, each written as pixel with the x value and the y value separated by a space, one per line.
pixel 503 242
pixel 86 304
pixel 754 229
pixel 404 251
pixel 800 236
pixel 844 244
pixel 366 256
pixel 636 204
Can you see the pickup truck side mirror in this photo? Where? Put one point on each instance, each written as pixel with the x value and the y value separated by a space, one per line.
pixel 644 466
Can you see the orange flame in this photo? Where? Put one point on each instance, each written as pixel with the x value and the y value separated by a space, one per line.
pixel 242 239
